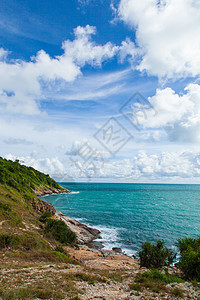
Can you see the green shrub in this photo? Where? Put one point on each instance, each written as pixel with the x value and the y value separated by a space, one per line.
pixel 59 230
pixel 136 287
pixel 43 218
pixel 156 275
pixel 61 250
pixel 189 262
pixel 7 240
pixel 154 280
pixel 4 207
pixel 155 255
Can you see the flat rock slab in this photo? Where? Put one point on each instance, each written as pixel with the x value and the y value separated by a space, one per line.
pixel 101 260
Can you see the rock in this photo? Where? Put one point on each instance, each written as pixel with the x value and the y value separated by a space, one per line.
pixel 84 233
pixel 41 206
pixel 48 191
pixel 117 249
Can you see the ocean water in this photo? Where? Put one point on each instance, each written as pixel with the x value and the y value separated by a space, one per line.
pixel 127 214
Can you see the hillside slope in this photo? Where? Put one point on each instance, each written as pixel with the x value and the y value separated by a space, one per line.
pixel 21 228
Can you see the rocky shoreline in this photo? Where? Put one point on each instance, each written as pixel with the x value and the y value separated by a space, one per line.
pixel 84 233
pixel 44 191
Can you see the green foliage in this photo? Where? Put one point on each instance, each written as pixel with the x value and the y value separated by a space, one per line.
pixel 4 207
pixel 7 241
pixel 155 255
pixel 61 250
pixel 28 293
pixel 61 257
pixel 9 214
pixel 136 287
pixel 156 275
pixel 59 230
pixel 43 218
pixel 26 242
pixel 23 179
pixel 189 262
pixel 156 281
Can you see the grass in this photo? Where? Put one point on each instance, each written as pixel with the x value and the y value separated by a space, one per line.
pixel 115 276
pixel 29 293
pixel 136 287
pixel 178 293
pixel 157 275
pixel 37 283
pixel 156 281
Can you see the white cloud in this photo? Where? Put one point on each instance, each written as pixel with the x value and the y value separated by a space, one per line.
pixel 178 114
pixel 3 53
pixel 51 166
pixel 91 87
pixel 21 82
pixel 164 167
pixel 167 34
pixel 83 50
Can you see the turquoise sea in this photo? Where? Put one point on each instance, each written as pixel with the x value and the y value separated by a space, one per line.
pixel 128 214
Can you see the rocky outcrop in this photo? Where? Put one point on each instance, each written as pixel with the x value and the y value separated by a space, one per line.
pixel 41 206
pixel 84 233
pixel 42 191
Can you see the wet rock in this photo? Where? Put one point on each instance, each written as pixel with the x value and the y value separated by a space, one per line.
pixel 117 249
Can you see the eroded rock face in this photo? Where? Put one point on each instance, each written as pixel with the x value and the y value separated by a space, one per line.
pixel 41 206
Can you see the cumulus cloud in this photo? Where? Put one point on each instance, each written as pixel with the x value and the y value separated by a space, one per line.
pixel 83 50
pixel 167 35
pixel 21 82
pixel 52 166
pixel 165 166
pixel 178 114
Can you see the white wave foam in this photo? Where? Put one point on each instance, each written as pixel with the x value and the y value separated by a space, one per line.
pixel 71 193
pixel 110 238
pixel 129 252
pixel 81 220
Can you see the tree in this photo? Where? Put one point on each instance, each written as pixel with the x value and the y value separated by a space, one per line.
pixel 155 255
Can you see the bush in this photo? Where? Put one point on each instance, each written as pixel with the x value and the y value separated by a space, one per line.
pixel 189 262
pixel 43 218
pixel 7 240
pixel 59 230
pixel 155 255
pixel 61 250
pixel 156 275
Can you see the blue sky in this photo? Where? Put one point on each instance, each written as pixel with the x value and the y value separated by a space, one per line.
pixel 68 67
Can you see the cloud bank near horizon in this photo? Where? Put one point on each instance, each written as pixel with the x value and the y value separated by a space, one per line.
pixel 172 166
